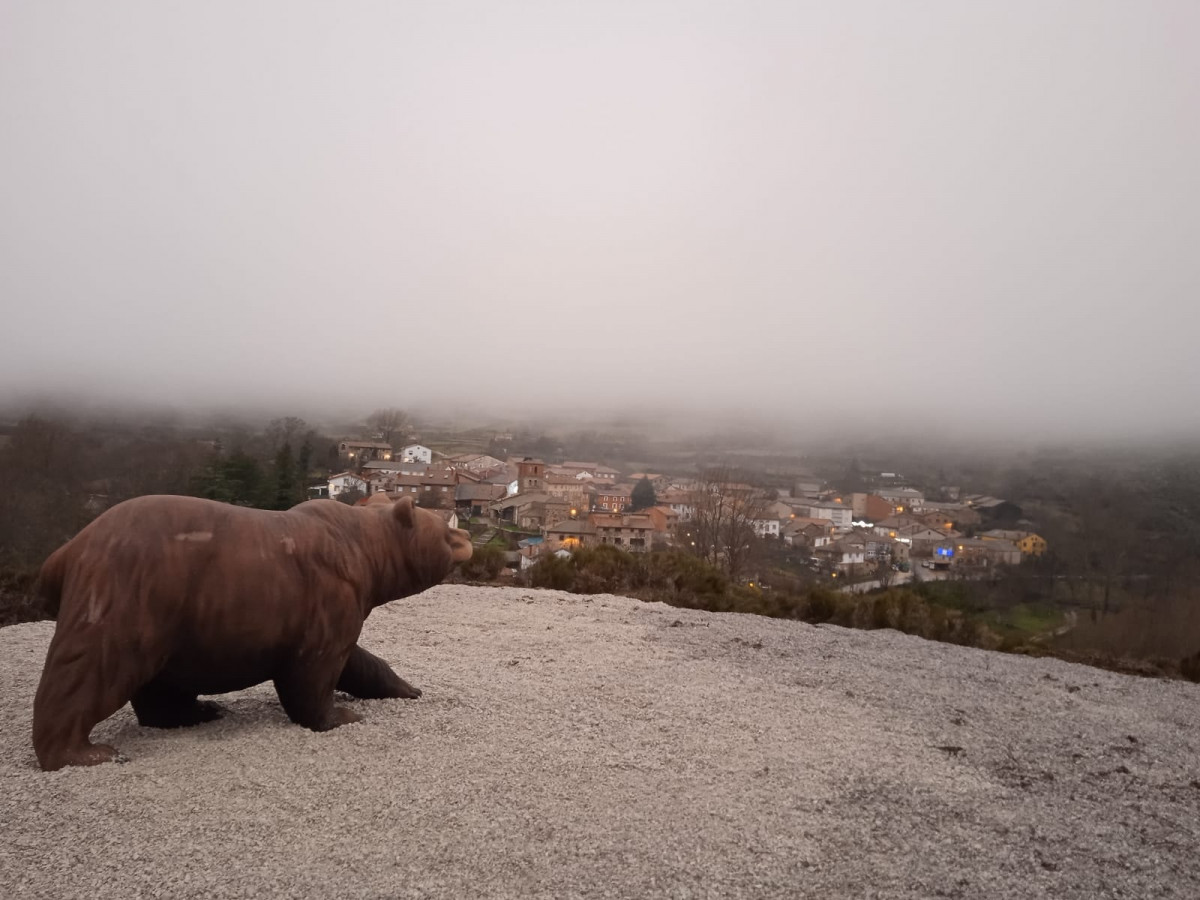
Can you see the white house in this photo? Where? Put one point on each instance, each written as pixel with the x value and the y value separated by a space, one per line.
pixel 684 509
pixel 681 504
pixel 417 453
pixel 531 554
pixel 346 481
pixel 906 498
pixel 449 516
pixel 840 515
pixel 766 527
pixel 843 554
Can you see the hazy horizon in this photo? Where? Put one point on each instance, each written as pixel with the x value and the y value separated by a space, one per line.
pixel 943 217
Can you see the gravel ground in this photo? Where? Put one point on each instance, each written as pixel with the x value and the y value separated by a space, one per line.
pixel 601 747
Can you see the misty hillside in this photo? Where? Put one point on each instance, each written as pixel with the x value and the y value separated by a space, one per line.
pixel 599 746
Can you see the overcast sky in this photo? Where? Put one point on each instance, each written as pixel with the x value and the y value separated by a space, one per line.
pixel 988 209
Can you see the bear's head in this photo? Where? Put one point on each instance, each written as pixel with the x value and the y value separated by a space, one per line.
pixel 430 547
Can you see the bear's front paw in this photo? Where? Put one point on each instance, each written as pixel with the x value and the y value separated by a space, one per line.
pixel 407 691
pixel 343 715
pixel 87 755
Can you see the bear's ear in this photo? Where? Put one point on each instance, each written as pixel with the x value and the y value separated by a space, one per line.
pixel 403 511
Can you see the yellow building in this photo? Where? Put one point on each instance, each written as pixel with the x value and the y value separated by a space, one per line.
pixel 1027 542
pixel 1032 545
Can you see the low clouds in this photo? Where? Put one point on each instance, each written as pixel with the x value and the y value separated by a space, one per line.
pixel 981 213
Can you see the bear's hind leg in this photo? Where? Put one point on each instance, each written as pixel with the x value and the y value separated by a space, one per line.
pixel 368 677
pixel 83 683
pixel 160 705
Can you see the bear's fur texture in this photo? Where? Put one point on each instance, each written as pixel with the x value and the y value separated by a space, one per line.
pixel 161 599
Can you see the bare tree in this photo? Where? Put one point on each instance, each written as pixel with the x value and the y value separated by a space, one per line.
pixel 726 509
pixel 287 430
pixel 384 424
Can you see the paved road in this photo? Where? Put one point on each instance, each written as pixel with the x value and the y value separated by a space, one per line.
pixel 861 587
pixel 917 574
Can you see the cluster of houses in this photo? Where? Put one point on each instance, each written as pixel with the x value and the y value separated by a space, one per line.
pixel 582 504
pixel 528 493
pixel 897 525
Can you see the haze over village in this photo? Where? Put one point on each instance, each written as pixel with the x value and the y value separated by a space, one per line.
pixel 815 218
pixel 911 295
pixel 766 431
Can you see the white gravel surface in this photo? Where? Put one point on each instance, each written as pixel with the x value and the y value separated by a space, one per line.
pixel 602 747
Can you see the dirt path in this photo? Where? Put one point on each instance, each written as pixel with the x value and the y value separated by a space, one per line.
pixel 607 748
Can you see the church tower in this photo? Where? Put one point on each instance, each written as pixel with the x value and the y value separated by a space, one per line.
pixel 531 476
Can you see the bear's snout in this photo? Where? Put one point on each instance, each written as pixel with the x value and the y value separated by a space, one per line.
pixel 460 545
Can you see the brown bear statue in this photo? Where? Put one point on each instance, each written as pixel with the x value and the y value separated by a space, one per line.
pixel 162 599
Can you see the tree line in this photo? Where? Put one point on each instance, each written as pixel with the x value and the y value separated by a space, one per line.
pixel 57 473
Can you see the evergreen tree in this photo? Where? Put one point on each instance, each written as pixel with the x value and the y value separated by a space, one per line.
pixel 854 480
pixel 303 467
pixel 643 496
pixel 285 478
pixel 237 479
pixel 244 480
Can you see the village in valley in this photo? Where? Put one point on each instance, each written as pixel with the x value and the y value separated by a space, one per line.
pixel 892 533
pixel 975 541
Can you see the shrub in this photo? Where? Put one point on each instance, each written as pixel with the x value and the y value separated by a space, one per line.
pixel 484 565
pixel 883 611
pixel 822 605
pixel 603 569
pixel 683 580
pixel 553 572
pixel 19 601
pixel 684 575
pixel 1189 667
